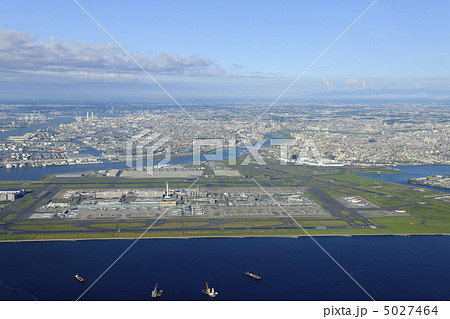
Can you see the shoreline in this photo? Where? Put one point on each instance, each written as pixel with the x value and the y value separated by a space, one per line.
pixel 213 237
pixel 432 186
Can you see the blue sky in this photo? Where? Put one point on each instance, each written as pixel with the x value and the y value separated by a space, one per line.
pixel 223 49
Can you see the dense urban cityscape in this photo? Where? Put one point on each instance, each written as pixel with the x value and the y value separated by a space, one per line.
pixel 406 134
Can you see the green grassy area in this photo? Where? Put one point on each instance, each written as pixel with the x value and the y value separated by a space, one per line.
pixel 337 232
pixel 104 225
pixel 28 203
pixel 333 192
pixel 280 232
pixel 316 218
pixel 17 202
pixel 84 186
pixel 438 227
pixel 221 233
pixel 357 180
pixel 318 202
pixel 370 171
pixel 163 234
pixel 314 223
pixel 54 227
pixel 401 224
pixel 186 219
pixel 46 227
pixel 435 212
pixel 29 227
pixel 10 216
pixel 380 200
pixel 406 224
pixel 170 225
pixel 308 223
pixel 334 223
pixel 42 202
pixel 149 234
pixel 239 224
pixel 32 222
pixel 117 226
pixel 17 185
pixel 409 192
pixel 322 179
pixel 74 236
pixel 16 237
pixel 181 224
pixel 245 219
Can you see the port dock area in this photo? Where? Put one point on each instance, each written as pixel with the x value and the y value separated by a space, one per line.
pixel 438 181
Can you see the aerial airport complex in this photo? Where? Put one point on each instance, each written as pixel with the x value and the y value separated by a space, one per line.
pixel 319 184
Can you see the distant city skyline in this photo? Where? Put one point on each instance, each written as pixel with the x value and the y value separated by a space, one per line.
pixel 212 51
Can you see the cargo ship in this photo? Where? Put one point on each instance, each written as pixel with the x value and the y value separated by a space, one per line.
pixel 210 291
pixel 156 292
pixel 79 278
pixel 252 275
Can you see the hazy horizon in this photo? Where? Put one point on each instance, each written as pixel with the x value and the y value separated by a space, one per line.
pixel 54 52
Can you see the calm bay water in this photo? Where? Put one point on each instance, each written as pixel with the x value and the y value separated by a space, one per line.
pixel 21 131
pixel 414 171
pixel 36 173
pixel 388 267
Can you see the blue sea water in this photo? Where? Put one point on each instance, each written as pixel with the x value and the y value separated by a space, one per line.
pixel 388 267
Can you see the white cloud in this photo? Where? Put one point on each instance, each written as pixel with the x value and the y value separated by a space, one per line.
pixel 353 84
pixel 20 52
pixel 328 85
pixel 350 84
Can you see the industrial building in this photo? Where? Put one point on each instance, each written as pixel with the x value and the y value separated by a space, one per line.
pixel 11 195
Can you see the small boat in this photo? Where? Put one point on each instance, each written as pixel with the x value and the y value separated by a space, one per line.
pixel 252 275
pixel 156 292
pixel 79 278
pixel 210 291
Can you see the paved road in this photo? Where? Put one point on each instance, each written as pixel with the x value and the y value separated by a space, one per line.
pixel 334 207
pixel 39 194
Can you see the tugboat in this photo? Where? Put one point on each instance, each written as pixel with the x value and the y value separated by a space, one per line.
pixel 252 275
pixel 210 291
pixel 79 278
pixel 156 292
